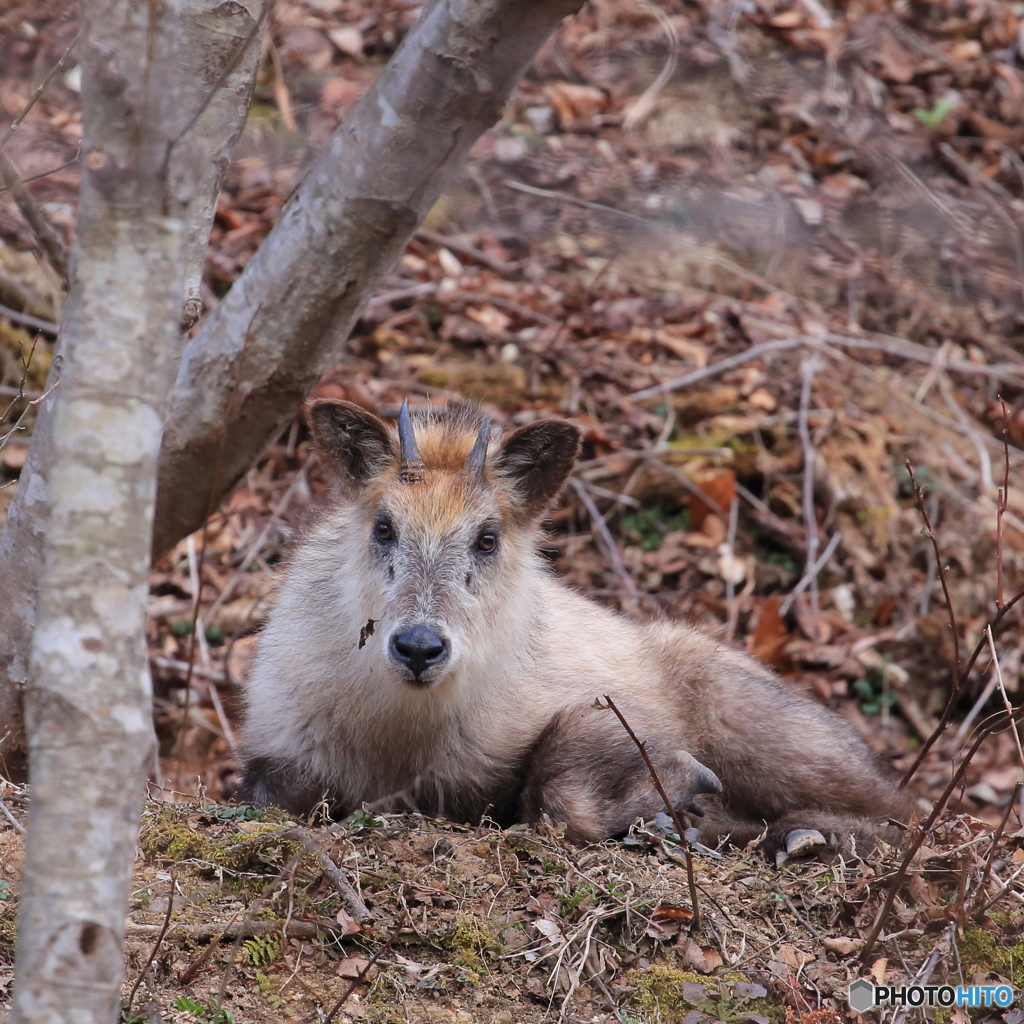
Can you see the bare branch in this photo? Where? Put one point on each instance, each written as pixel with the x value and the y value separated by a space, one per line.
pixel 40 89
pixel 807 371
pixel 29 321
pixel 51 245
pixel 943 570
pixel 752 353
pixel 18 827
pixel 923 830
pixel 156 945
pixel 605 534
pixel 672 812
pixel 46 174
pixel 353 901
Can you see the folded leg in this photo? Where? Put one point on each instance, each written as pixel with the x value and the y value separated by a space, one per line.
pixel 584 770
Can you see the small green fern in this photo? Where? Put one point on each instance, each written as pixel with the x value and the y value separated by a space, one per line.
pixel 262 950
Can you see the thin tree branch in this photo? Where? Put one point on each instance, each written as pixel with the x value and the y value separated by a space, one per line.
pixel 46 174
pixel 16 123
pixel 807 371
pixel 755 352
pixel 156 946
pixel 1002 499
pixel 605 534
pixel 957 691
pixel 923 831
pixel 385 946
pixel 672 812
pixel 990 860
pixel 45 235
pixel 29 321
pixel 353 901
pixel 11 818
pixel 943 570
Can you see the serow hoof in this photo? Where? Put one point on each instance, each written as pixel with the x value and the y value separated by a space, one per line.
pixel 801 842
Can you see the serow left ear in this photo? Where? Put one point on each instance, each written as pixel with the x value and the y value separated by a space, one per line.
pixel 537 459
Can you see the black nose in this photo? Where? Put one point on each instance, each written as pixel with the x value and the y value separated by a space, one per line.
pixel 419 648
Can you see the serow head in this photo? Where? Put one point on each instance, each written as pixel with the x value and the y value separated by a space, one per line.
pixel 437 528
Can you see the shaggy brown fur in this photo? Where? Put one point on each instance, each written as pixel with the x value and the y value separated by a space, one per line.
pixel 475 693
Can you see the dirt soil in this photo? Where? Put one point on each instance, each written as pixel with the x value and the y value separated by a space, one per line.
pixel 475 924
pixel 813 219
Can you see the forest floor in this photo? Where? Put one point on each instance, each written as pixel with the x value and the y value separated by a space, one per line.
pixel 764 255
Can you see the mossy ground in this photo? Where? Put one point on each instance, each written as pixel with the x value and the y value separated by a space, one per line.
pixel 479 925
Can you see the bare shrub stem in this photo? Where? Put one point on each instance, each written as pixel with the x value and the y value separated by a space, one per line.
pixel 641 745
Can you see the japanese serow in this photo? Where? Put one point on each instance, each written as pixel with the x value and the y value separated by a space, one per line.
pixel 474 692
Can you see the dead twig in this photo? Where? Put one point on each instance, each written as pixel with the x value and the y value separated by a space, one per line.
pixel 196 601
pixel 984 459
pixel 33 99
pixel 731 605
pixel 45 235
pixel 954 697
pixel 990 860
pixel 392 935
pixel 545 193
pixel 156 947
pixel 234 929
pixel 353 901
pixel 752 353
pixel 11 818
pixel 181 667
pixel 961 678
pixel 1002 497
pixel 16 426
pixel 807 370
pixel 640 110
pixel 471 251
pixel 609 541
pixel 29 321
pixel 901 874
pixel 919 495
pixel 282 97
pixel 1002 690
pixel 641 745
pixel 892 346
pixel 811 572
pixel 651 458
pixel 46 174
pixel 204 649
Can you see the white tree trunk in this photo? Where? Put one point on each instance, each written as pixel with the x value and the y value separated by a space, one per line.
pixel 220 52
pixel 88 701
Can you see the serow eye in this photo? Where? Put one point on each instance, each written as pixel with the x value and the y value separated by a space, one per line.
pixel 487 542
pixel 383 532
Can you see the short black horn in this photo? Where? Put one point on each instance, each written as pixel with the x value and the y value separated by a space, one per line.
pixel 412 467
pixel 477 459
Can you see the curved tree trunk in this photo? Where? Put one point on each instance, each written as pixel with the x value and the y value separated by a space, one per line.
pixel 247 371
pixel 220 52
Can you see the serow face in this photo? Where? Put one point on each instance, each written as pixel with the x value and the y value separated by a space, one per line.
pixel 441 515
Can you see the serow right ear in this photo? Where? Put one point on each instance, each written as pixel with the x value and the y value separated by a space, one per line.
pixel 352 441
pixel 537 459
